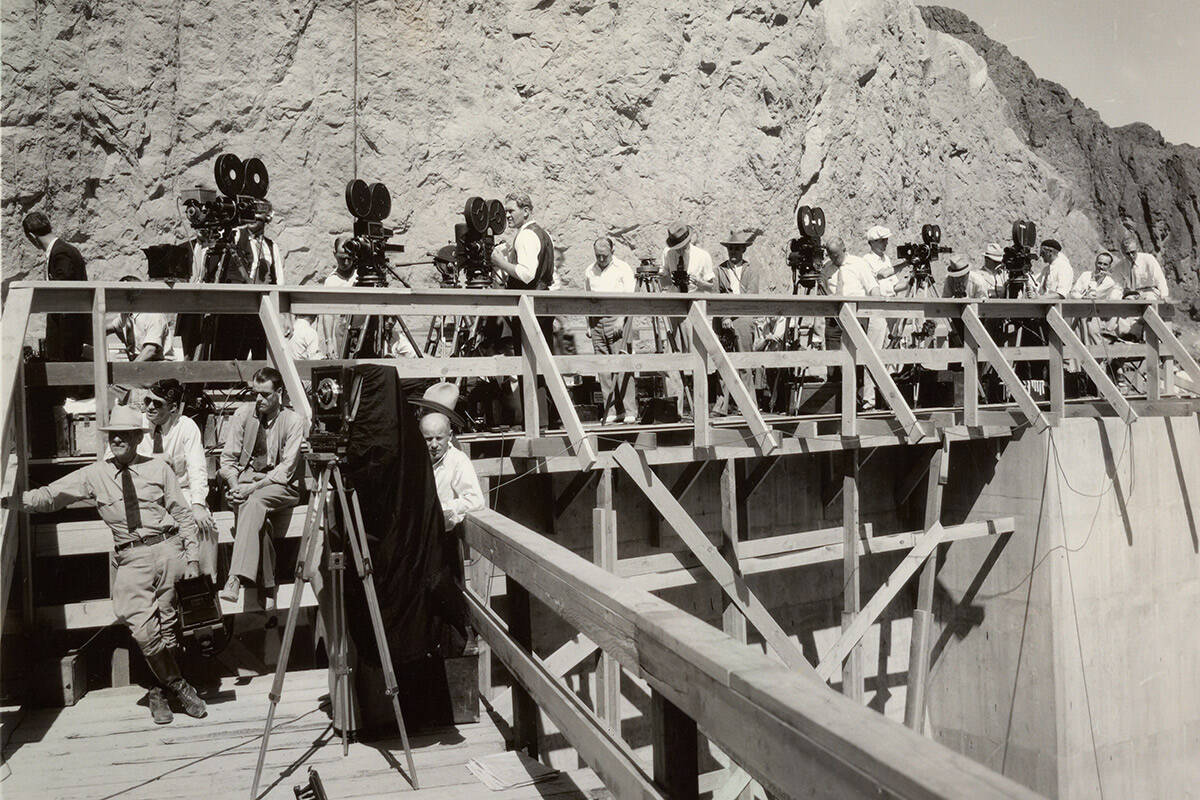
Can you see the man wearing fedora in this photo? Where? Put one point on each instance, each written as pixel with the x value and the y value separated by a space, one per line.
pixel 735 275
pixel 682 253
pixel 154 544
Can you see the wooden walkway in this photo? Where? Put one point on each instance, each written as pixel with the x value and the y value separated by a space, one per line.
pixel 107 747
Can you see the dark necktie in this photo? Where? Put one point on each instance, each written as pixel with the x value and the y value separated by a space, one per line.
pixel 158 444
pixel 133 513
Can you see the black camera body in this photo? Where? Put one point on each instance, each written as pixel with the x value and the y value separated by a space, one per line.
pixel 334 401
pixel 922 255
pixel 806 254
pixel 647 267
pixel 475 239
pixel 367 249
pixel 202 623
pixel 1018 258
pixel 241 200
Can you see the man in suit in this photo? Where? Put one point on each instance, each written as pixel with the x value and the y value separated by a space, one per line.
pixel 67 336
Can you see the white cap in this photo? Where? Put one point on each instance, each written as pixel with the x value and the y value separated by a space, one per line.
pixel 878 232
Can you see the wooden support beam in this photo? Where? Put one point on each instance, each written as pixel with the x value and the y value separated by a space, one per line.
pixel 560 663
pixel 971 388
pixel 24 527
pixel 1169 342
pixel 922 621
pixel 13 326
pixel 855 339
pixel 525 712
pixel 604 555
pixel 634 464
pixel 733 621
pixel 756 477
pixel 700 411
pixel 277 349
pixel 852 671
pixel 1055 366
pixel 579 482
pixel 687 479
pixel 676 764
pixel 607 755
pixel 706 338
pixel 1093 369
pixel 1154 371
pixel 100 366
pixel 982 340
pixel 543 360
pixel 832 660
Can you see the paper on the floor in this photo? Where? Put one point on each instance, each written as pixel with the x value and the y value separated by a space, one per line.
pixel 510 770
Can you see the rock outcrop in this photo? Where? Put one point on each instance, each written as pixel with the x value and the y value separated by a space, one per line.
pixel 1125 178
pixel 617 117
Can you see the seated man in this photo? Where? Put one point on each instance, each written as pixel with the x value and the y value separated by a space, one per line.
pixel 154 544
pixel 457 485
pixel 260 464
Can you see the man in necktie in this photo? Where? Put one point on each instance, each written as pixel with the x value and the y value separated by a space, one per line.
pixel 260 464
pixel 154 544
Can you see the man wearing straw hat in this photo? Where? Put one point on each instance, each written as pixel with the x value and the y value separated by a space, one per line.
pixel 681 253
pixel 154 544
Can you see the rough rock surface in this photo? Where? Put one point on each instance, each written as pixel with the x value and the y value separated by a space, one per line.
pixel 617 116
pixel 1125 178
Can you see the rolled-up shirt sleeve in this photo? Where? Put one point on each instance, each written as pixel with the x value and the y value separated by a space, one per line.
pixel 68 489
pixel 179 508
pixel 526 249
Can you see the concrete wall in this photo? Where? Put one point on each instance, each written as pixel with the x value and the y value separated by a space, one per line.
pixel 1068 656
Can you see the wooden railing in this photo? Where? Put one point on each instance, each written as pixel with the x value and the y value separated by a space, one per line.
pixel 781 724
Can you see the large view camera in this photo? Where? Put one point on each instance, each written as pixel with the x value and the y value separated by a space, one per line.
pixel 921 256
pixel 1018 258
pixel 334 396
pixel 475 238
pixel 370 205
pixel 242 199
pixel 806 253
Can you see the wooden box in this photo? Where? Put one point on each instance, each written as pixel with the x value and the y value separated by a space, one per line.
pixel 74 433
pixel 62 681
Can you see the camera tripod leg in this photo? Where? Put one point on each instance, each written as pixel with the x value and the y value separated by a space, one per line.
pixel 356 534
pixel 312 523
pixel 338 656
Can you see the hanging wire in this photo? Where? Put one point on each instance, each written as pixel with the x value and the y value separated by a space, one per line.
pixel 354 125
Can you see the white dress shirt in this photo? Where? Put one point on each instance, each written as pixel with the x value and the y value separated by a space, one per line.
pixel 304 341
pixel 1146 275
pixel 157 329
pixel 526 248
pixel 1105 288
pixel 699 265
pixel 1059 277
pixel 616 277
pixel 457 486
pixel 183 450
pixel 885 275
pixel 853 278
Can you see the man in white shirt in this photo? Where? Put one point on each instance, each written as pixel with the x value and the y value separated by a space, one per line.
pixel 889 278
pixel 852 277
pixel 304 343
pixel 333 326
pixel 529 263
pixel 993 274
pixel 682 254
pixel 1097 284
pixel 610 274
pixel 457 484
pixel 177 440
pixel 1145 273
pixel 1059 277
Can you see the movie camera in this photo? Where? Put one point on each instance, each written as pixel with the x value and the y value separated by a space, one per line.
pixel 334 394
pixel 805 252
pixel 922 255
pixel 647 268
pixel 367 249
pixel 475 238
pixel 1018 258
pixel 242 187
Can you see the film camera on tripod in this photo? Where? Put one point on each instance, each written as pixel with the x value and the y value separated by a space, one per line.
pixel 921 256
pixel 474 240
pixel 1018 259
pixel 238 201
pixel 805 252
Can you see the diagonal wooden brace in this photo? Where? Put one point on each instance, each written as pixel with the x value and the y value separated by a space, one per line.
pixel 268 313
pixel 1093 369
pixel 864 353
pixel 13 326
pixel 734 586
pixel 983 341
pixel 831 663
pixel 544 359
pixel 1168 340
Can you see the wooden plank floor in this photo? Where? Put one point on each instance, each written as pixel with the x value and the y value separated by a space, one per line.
pixel 107 747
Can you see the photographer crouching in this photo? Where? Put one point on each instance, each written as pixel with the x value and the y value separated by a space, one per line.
pixel 154 544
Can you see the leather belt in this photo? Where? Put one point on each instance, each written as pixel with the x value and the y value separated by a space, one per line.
pixel 144 541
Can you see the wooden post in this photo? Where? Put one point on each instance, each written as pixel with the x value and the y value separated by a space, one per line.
pixel 525 711
pixel 703 434
pixel 733 621
pixel 479 578
pixel 852 670
pixel 849 385
pixel 1058 393
pixel 24 529
pixel 676 758
pixel 604 555
pixel 922 620
pixel 1153 364
pixel 970 381
pixel 100 367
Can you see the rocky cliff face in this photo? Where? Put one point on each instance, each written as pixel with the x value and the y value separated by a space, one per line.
pixel 617 117
pixel 1125 178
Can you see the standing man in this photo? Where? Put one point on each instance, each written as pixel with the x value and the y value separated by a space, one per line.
pixel 176 439
pixel 610 274
pixel 888 278
pixel 682 254
pixel 852 277
pixel 993 274
pixel 154 544
pixel 529 263
pixel 735 275
pixel 1145 273
pixel 1059 277
pixel 457 484
pixel 260 464
pixel 334 326
pixel 68 336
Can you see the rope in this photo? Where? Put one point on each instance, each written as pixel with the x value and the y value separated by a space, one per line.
pixel 354 125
